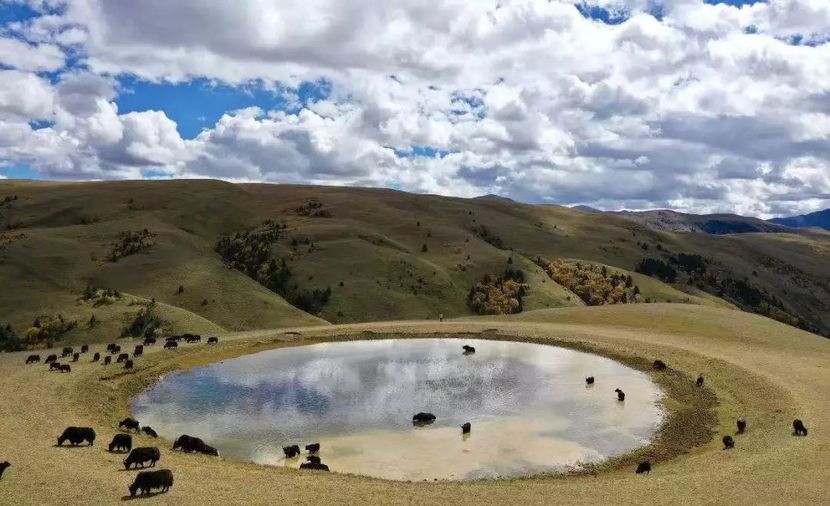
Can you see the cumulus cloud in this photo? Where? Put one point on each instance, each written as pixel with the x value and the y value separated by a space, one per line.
pixel 677 103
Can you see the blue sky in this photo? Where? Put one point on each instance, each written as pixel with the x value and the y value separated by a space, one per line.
pixel 700 106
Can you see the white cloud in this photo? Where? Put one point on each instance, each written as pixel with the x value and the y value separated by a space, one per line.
pixel 33 57
pixel 711 108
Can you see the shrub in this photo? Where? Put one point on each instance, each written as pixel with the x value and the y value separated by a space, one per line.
pixel 48 329
pixel 500 295
pixel 657 268
pixel 9 340
pixel 486 235
pixel 129 243
pixel 594 285
pixel 145 323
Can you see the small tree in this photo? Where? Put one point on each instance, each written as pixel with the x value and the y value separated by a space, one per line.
pixel 8 339
pixel 180 290
pixel 424 248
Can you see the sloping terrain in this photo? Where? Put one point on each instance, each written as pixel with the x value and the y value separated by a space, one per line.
pixel 820 219
pixel 673 221
pixel 351 255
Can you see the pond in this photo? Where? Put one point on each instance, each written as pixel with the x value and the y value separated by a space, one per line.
pixel 530 408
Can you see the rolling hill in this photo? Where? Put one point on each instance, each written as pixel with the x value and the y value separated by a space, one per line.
pixel 303 255
pixel 820 219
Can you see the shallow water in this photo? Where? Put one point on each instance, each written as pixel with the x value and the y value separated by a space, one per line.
pixel 529 406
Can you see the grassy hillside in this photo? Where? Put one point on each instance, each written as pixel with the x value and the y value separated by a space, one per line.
pixel 383 254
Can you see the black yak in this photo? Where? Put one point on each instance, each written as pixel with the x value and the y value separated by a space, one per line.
pixel 468 349
pixel 620 394
pixel 659 365
pixel 699 381
pixel 141 455
pixel 129 424
pixel 77 435
pixel 128 364
pixel 76 357
pixel 54 366
pixel 171 345
pixel 121 442
pixel 149 431
pixel 314 466
pixel 589 380
pixel 643 467
pixel 798 428
pixel 291 451
pixel 193 339
pixel 67 351
pixel 33 358
pixel 146 481
pixel 84 348
pixel 149 341
pixel 96 357
pixel 209 450
pixel 107 360
pixel 189 444
pixel 123 357
pixel 138 351
pixel 314 459
pixel 111 346
pixel 741 425
pixel 115 349
pixel 51 358
pixel 213 340
pixel 423 418
pixel 312 448
pixel 66 368
pixel 3 467
pixel 465 428
pixel 728 442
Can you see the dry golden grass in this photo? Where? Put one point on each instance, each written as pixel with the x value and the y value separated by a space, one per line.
pixel 767 372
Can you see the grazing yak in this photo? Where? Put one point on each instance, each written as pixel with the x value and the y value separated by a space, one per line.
pixel 96 357
pixel 468 349
pixel 111 346
pixel 67 352
pixel 51 358
pixel 209 450
pixel 589 380
pixel 192 339
pixel 149 431
pixel 116 349
pixel 741 425
pixel 312 448
pixel 423 418
pixel 66 368
pixel 3 467
pixel 128 364
pixel 643 467
pixel 129 424
pixel 121 442
pixel 76 357
pixel 313 459
pixel 314 466
pixel 728 442
pixel 54 366
pixel 84 348
pixel 123 357
pixel 188 444
pixel 77 435
pixel 798 428
pixel 465 428
pixel 659 365
pixel 146 481
pixel 620 394
pixel 171 345
pixel 699 381
pixel 291 451
pixel 32 359
pixel 138 351
pixel 213 340
pixel 149 341
pixel 141 455
pixel 107 360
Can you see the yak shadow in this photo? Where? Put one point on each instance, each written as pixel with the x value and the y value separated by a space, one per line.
pixel 141 496
pixel 71 446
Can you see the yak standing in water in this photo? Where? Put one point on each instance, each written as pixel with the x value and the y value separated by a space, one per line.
pixel 468 349
pixel 423 418
pixel 589 380
pixel 620 395
pixel 465 429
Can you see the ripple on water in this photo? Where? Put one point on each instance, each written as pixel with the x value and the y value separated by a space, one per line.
pixel 529 406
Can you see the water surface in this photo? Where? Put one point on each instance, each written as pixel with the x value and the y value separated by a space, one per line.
pixel 529 406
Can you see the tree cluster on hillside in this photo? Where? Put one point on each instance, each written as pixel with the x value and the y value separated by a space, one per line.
pixel 488 236
pixel 99 296
pixel 657 268
pixel 129 243
pixel 48 329
pixel 145 324
pixel 251 252
pixel 593 284
pixel 314 209
pixel 500 294
pixel 9 341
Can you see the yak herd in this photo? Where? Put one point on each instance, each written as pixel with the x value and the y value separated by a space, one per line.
pixel 143 457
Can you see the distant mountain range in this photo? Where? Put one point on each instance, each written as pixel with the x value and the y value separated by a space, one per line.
pixel 819 219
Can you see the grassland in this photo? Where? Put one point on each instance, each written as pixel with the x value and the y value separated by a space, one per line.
pixel 767 372
pixel 367 247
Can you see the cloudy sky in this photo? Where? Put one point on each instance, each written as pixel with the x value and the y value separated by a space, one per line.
pixel 696 105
